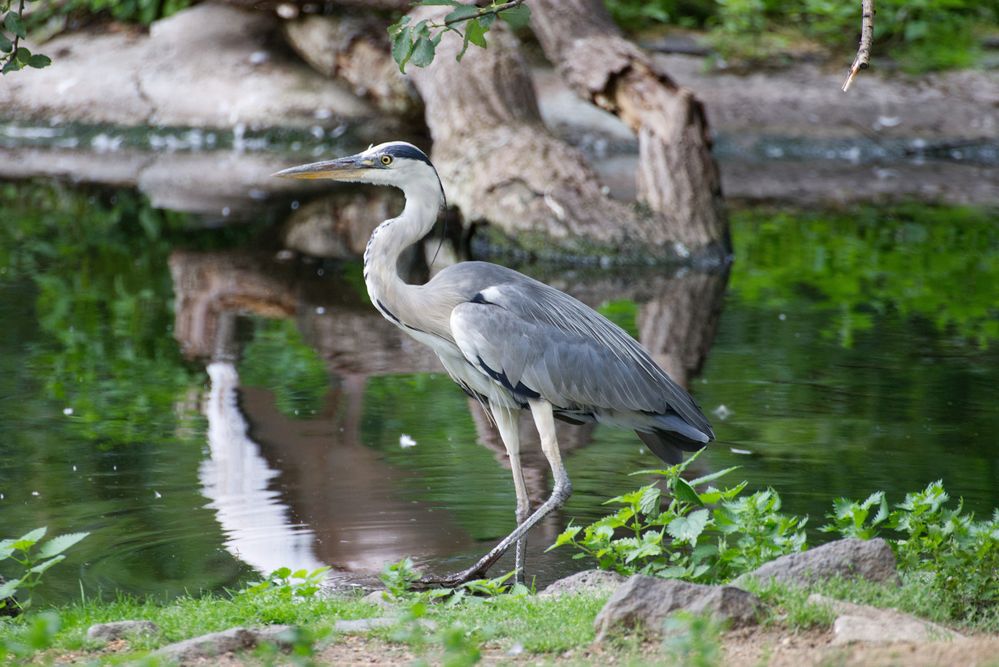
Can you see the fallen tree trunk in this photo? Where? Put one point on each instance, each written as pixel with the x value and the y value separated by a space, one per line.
pixel 677 176
pixel 500 164
pixel 356 50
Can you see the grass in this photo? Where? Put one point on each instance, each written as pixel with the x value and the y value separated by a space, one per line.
pixel 789 606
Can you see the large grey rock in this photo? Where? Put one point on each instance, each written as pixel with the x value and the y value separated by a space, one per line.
pixel 119 629
pixel 587 581
pixel 867 559
pixel 207 66
pixel 219 643
pixel 863 623
pixel 647 601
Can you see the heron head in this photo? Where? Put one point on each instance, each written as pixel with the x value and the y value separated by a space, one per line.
pixel 393 163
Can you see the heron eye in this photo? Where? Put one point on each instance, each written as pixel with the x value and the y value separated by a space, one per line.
pixel 386 160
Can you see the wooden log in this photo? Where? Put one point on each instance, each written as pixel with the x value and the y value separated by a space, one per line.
pixel 500 164
pixel 677 176
pixel 354 49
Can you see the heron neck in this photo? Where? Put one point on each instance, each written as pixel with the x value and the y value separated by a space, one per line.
pixel 385 286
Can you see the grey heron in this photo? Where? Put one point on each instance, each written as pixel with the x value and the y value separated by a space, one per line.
pixel 512 342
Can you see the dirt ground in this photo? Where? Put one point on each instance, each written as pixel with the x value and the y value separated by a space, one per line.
pixel 749 647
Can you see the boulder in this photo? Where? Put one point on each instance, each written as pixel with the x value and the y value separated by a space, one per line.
pixel 862 623
pixel 587 581
pixel 219 643
pixel 120 629
pixel 647 601
pixel 207 66
pixel 867 559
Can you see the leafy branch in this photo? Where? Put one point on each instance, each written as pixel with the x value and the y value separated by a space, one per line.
pixel 12 31
pixel 34 563
pixel 417 42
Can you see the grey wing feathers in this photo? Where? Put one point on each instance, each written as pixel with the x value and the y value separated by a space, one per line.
pixel 536 337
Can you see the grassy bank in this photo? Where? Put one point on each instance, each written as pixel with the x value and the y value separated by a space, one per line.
pixel 674 528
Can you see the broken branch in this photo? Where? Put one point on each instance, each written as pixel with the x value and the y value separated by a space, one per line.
pixel 863 58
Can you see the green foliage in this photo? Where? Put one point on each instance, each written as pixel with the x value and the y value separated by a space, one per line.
pixel 286 585
pixel 416 42
pixel 701 534
pixel 303 643
pixel 13 56
pixel 622 312
pixel 939 264
pixel 142 12
pixel 33 562
pixel 399 577
pixel 278 358
pixel 39 635
pixel 921 35
pixel 694 640
pixel 956 555
pixel 850 517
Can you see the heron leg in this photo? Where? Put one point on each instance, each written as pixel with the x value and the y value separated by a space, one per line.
pixel 507 421
pixel 544 420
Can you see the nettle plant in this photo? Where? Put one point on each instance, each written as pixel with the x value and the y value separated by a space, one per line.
pixel 691 530
pixel 945 547
pixel 34 558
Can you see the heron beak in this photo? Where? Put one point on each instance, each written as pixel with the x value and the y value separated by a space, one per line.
pixel 341 169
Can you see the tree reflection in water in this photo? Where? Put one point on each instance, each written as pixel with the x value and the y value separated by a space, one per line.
pixel 311 478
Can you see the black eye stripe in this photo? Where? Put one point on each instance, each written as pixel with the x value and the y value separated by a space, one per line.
pixel 408 151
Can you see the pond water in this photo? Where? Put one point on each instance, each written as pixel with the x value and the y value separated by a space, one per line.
pixel 209 407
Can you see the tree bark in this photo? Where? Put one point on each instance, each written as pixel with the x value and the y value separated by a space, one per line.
pixel 356 50
pixel 677 176
pixel 500 164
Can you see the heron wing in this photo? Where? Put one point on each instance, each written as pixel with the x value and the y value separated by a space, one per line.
pixel 538 341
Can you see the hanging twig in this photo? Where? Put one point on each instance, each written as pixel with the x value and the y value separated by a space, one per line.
pixel 863 58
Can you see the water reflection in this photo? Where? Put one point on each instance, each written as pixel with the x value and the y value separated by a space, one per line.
pixel 291 489
pixel 236 479
pixel 856 352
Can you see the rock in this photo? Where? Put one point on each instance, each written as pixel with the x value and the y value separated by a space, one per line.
pixel 218 643
pixel 165 77
pixel 867 559
pixel 362 624
pixel 863 623
pixel 378 598
pixel 120 629
pixel 588 581
pixel 648 601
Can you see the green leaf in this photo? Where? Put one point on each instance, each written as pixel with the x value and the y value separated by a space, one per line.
pixel 14 24
pixel 8 588
pixel 22 55
pixel 684 492
pixel 5 44
pixel 39 61
pixel 402 45
pixel 712 477
pixel 688 528
pixel 30 539
pixel 12 66
pixel 649 502
pixel 460 13
pixel 517 17
pixel 44 565
pixel 57 545
pixel 475 33
pixel 565 537
pixel 423 52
